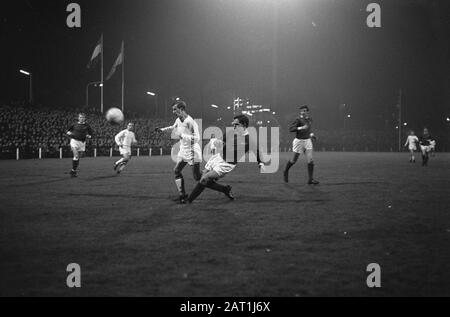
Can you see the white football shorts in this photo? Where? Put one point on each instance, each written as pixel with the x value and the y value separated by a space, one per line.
pixel 190 155
pixel 78 146
pixel 217 164
pixel 301 145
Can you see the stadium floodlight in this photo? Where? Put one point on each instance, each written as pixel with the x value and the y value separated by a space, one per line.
pixel 215 106
pixel 151 93
pixel 349 116
pixel 274 113
pixel 448 119
pixel 229 108
pixel 31 83
pixel 405 124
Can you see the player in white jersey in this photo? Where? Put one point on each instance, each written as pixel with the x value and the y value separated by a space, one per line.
pixel 124 140
pixel 185 129
pixel 411 143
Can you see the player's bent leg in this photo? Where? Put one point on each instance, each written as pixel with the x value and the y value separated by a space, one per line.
pixel 206 180
pixel 179 180
pixel 309 158
pixel 289 164
pixel 210 181
pixel 75 162
pixel 124 161
pixel 196 171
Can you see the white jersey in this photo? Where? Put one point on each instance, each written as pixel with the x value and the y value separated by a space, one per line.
pixel 188 133
pixel 412 141
pixel 125 139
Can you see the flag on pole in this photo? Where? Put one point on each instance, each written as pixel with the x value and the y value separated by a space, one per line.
pixel 118 62
pixel 96 54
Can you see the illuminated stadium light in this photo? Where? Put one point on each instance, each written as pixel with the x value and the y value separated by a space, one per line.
pixel 405 124
pixel 349 116
pixel 229 108
pixel 25 72
pixel 215 106
pixel 448 119
pixel 151 93
pixel 274 113
pixel 396 126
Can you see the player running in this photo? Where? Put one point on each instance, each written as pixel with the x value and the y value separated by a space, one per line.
pixel 217 167
pixel 186 129
pixel 411 143
pixel 78 134
pixel 426 141
pixel 124 139
pixel 302 144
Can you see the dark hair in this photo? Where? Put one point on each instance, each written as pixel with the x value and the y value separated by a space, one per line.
pixel 179 104
pixel 242 120
pixel 304 107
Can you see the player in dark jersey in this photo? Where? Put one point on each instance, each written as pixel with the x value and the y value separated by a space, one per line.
pixel 426 142
pixel 78 133
pixel 302 144
pixel 218 166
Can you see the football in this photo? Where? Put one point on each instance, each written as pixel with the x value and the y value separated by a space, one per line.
pixel 114 115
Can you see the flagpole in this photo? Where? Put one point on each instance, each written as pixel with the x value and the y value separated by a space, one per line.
pixel 123 75
pixel 101 102
pixel 400 120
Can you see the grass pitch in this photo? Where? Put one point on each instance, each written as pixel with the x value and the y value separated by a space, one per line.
pixel 275 239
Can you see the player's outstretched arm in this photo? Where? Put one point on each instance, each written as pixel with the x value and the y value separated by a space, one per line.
pixel 159 129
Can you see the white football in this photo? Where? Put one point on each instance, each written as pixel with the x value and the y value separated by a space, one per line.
pixel 114 115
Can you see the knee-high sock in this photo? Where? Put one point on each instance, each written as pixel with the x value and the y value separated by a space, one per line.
pixel 198 189
pixel 288 166
pixel 310 171
pixel 75 164
pixel 179 181
pixel 215 186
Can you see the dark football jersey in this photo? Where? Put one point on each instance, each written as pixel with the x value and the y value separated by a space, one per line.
pixel 300 122
pixel 239 150
pixel 425 140
pixel 80 131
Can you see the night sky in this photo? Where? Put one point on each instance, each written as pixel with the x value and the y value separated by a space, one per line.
pixel 278 53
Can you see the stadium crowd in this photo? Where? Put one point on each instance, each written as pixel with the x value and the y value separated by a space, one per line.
pixel 32 128
pixel 29 129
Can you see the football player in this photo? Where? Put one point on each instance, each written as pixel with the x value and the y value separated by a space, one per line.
pixel 302 144
pixel 411 142
pixel 217 167
pixel 186 129
pixel 425 141
pixel 124 139
pixel 78 133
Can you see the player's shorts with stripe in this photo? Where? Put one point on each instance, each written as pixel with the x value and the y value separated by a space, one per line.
pixel 217 164
pixel 301 145
pixel 79 146
pixel 190 155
